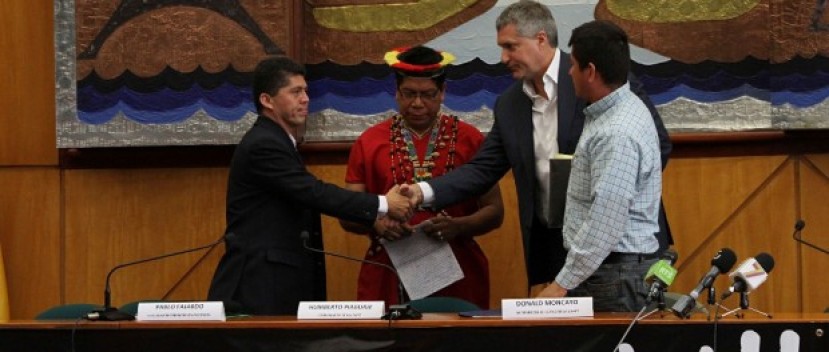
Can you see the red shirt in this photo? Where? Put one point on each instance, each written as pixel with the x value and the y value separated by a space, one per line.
pixel 370 163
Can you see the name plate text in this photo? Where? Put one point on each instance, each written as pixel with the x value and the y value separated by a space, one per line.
pixel 567 307
pixel 181 311
pixel 335 310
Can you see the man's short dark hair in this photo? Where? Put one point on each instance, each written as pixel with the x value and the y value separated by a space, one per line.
pixel 605 45
pixel 271 75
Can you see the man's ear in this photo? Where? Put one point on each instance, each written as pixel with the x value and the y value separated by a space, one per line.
pixel 266 101
pixel 541 37
pixel 591 72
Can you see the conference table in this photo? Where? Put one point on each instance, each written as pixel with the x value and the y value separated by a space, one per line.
pixel 435 332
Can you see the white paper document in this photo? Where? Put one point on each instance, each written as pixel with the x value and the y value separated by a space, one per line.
pixel 425 265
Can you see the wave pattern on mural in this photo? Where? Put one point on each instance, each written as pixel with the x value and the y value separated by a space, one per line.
pixel 368 90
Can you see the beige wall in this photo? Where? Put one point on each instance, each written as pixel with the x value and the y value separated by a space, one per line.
pixel 29 177
pixel 63 229
pixel 750 205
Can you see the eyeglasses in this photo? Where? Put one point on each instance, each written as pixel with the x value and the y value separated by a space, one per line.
pixel 424 95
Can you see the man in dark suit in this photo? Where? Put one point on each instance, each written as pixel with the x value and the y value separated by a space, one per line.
pixel 535 118
pixel 274 204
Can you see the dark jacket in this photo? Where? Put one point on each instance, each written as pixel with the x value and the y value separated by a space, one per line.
pixel 271 200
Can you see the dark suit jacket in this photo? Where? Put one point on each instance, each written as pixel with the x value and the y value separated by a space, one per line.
pixel 271 200
pixel 509 145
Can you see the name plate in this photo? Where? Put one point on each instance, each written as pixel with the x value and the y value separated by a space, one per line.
pixel 181 311
pixel 336 310
pixel 567 307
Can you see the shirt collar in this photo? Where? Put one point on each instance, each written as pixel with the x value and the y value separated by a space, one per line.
pixel 268 120
pixel 550 78
pixel 602 105
pixel 293 140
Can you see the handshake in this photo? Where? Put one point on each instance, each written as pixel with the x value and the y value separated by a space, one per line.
pixel 402 201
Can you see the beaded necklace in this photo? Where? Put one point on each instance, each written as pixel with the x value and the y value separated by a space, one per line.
pixel 405 165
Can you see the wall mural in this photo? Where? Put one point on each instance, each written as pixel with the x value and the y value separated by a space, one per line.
pixel 178 72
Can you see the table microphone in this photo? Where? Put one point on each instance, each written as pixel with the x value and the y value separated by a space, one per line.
pixel 399 311
pixel 797 235
pixel 721 263
pixel 661 275
pixel 750 274
pixel 110 313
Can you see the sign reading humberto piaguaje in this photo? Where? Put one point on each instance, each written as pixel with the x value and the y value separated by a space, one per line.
pixel 335 310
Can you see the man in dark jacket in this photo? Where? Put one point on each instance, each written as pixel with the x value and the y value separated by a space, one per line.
pixel 274 204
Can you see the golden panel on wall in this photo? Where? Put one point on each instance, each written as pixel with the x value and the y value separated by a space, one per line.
pixel 376 28
pixel 132 214
pixel 814 259
pixel 27 104
pixel 30 235
pixel 750 205
pixel 725 31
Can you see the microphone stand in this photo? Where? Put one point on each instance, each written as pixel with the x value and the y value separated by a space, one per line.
pixel 659 295
pixel 738 312
pixel 798 236
pixel 400 311
pixel 110 313
pixel 713 306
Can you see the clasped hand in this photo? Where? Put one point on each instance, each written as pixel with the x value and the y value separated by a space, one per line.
pixel 402 201
pixel 441 228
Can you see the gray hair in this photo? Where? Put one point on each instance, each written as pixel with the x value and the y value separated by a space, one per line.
pixel 529 18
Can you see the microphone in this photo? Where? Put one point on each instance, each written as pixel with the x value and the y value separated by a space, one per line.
pixel 798 227
pixel 670 255
pixel 722 262
pixel 661 275
pixel 399 311
pixel 110 313
pixel 750 274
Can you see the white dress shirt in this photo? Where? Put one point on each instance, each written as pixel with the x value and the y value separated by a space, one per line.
pixel 545 133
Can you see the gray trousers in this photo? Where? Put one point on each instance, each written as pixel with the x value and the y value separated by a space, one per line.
pixel 617 287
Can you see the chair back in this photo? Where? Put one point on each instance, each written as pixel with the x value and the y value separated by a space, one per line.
pixel 70 311
pixel 442 305
pixel 132 307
